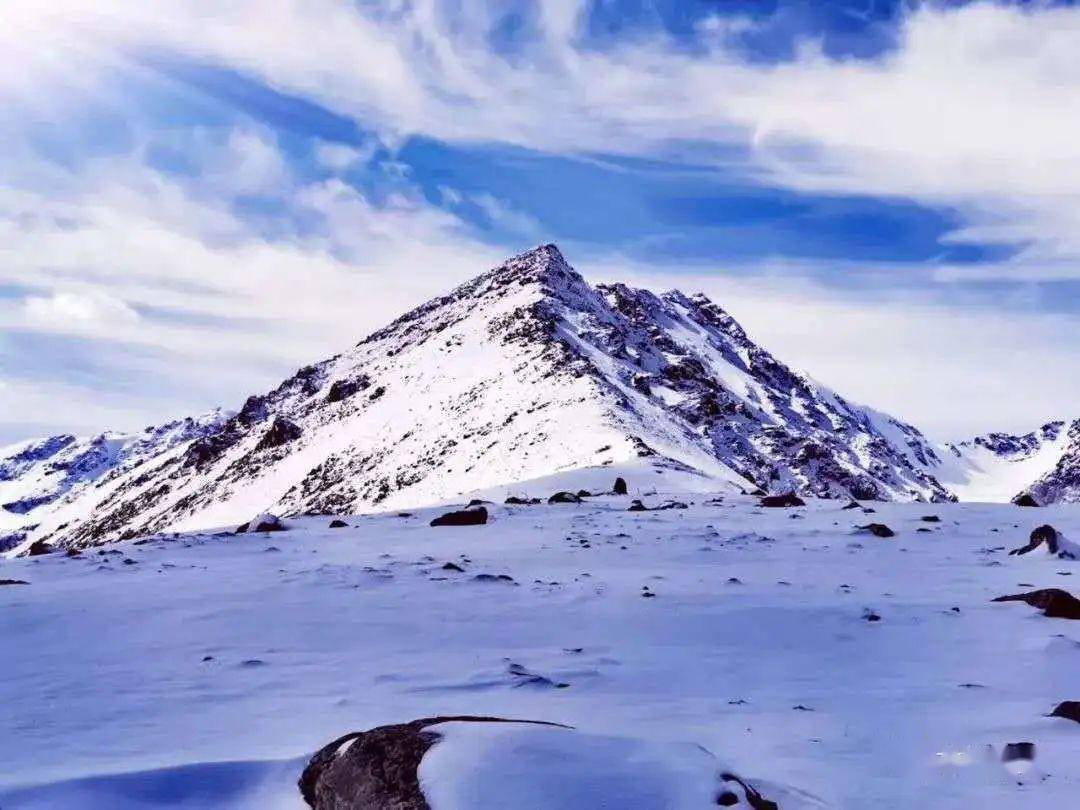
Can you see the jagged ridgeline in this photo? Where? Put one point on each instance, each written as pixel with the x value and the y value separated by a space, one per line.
pixel 522 372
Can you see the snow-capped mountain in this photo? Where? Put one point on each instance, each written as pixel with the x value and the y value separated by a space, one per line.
pixel 1043 465
pixel 40 476
pixel 523 372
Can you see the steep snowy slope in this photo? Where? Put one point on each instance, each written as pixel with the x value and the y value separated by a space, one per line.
pixel 997 467
pixel 523 372
pixel 49 474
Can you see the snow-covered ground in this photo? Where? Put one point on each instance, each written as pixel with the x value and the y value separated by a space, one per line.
pixel 203 672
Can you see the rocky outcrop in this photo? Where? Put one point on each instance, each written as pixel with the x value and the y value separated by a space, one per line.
pixel 474 516
pixel 1053 602
pixel 376 769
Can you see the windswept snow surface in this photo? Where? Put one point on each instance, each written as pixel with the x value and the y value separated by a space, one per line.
pixel 258 649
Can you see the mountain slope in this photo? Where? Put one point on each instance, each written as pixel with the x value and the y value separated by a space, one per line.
pixel 523 372
pixel 1044 464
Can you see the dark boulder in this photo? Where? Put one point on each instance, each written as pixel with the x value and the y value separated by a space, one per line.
pixel 1069 709
pixel 778 501
pixel 1025 499
pixel 514 500
pixel 466 517
pixel 1018 750
pixel 852 505
pixel 671 505
pixel 338 524
pixel 1042 534
pixel 637 506
pixel 564 497
pixel 930 519
pixel 281 431
pixel 265 522
pixel 37 549
pixel 343 389
pixel 13 582
pixel 877 529
pixel 376 769
pixel 620 486
pixel 1053 602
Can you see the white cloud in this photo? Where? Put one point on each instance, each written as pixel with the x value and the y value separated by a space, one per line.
pixel 77 311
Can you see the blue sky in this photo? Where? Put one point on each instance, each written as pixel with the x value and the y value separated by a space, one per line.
pixel 196 200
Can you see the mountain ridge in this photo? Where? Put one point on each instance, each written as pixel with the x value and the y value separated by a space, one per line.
pixel 519 373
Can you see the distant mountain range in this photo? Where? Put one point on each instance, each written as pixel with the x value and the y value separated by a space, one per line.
pixel 524 372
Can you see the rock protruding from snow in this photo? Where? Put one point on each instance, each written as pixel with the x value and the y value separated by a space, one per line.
pixel 473 516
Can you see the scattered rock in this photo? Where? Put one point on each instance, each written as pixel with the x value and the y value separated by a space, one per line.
pixel 1069 709
pixel 514 500
pixel 13 582
pixel 787 499
pixel 1018 750
pixel 338 524
pixel 564 497
pixel 871 616
pixel 671 505
pixel 281 431
pixel 465 517
pixel 930 519
pixel 877 529
pixel 495 578
pixel 1056 543
pixel 1053 602
pixel 265 522
pixel 637 506
pixel 620 486
pixel 1025 499
pixel 852 505
pixel 453 567
pixel 753 798
pixel 37 549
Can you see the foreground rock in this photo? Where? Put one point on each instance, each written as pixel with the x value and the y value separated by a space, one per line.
pixel 491 763
pixel 376 769
pixel 1056 543
pixel 1053 602
pixel 1069 709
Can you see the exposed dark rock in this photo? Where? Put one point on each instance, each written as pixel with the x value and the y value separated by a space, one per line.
pixel 338 524
pixel 930 519
pixel 564 497
pixel 262 523
pixel 1069 709
pixel 281 431
pixel 1043 534
pixel 514 500
pixel 494 578
pixel 465 517
pixel 671 505
pixel 753 798
pixel 1018 750
pixel 787 499
pixel 13 582
pixel 376 769
pixel 852 505
pixel 877 529
pixel 343 389
pixel 620 486
pixel 1053 602
pixel 450 566
pixel 1025 499
pixel 584 493
pixel 37 549
pixel 637 506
